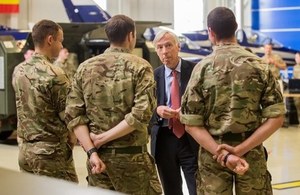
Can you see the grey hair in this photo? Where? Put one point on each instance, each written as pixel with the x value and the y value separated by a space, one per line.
pixel 161 33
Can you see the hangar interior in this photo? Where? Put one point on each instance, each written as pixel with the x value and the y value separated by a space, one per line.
pixel 278 20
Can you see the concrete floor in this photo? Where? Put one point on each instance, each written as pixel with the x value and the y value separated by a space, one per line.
pixel 283 148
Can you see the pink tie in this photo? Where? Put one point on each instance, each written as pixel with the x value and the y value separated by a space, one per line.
pixel 178 128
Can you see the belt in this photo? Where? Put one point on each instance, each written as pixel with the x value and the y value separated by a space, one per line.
pixel 234 136
pixel 126 150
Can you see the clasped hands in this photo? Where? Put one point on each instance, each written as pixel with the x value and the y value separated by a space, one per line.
pixel 97 165
pixel 226 156
pixel 167 112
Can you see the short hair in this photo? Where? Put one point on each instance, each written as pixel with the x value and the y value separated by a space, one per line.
pixel 42 30
pixel 269 43
pixel 161 33
pixel 222 22
pixel 118 27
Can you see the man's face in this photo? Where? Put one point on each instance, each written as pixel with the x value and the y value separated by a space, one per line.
pixel 268 49
pixel 167 50
pixel 63 54
pixel 28 54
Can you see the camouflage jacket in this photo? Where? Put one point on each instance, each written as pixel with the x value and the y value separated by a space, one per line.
pixel 231 90
pixel 68 66
pixel 109 88
pixel 275 70
pixel 41 91
pixel 296 71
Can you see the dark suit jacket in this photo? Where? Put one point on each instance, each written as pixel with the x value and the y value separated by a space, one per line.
pixel 159 76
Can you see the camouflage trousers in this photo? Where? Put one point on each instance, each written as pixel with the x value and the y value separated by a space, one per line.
pixel 48 159
pixel 127 173
pixel 213 179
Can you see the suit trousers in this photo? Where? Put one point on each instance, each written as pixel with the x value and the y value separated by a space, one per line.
pixel 172 155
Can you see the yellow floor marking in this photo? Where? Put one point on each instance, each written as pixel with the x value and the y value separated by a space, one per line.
pixel 286 185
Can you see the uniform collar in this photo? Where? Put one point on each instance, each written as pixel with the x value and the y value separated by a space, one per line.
pixel 117 49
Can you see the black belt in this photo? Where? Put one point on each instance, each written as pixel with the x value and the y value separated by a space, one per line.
pixel 234 136
pixel 126 150
pixel 48 139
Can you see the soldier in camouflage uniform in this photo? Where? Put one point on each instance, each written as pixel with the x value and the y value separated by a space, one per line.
pixel 112 97
pixel 64 63
pixel 274 61
pixel 41 90
pixel 231 105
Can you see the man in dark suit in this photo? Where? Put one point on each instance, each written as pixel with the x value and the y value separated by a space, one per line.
pixel 172 150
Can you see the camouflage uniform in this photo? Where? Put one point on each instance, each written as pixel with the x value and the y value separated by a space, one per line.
pixel 107 89
pixel 41 90
pixel 296 71
pixel 231 90
pixel 69 66
pixel 275 70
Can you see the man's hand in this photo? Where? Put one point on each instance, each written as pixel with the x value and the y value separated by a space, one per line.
pixel 97 139
pixel 167 112
pixel 236 164
pixel 228 159
pixel 97 165
pixel 228 148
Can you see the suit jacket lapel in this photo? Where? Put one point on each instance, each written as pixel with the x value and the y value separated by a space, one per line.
pixel 161 90
pixel 183 76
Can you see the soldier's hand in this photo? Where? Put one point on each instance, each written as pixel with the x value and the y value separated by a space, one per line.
pixel 166 112
pixel 237 164
pixel 97 165
pixel 97 139
pixel 226 147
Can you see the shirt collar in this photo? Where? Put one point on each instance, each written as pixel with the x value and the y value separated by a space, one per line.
pixel 168 71
pixel 117 49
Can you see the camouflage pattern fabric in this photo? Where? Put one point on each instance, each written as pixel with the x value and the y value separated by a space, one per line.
pixel 214 179
pixel 69 66
pixel 48 159
pixel 107 89
pixel 275 70
pixel 127 173
pixel 41 90
pixel 231 90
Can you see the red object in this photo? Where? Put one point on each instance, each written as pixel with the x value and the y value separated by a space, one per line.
pixel 178 128
pixel 9 8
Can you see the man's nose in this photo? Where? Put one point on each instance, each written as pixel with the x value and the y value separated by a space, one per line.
pixel 164 50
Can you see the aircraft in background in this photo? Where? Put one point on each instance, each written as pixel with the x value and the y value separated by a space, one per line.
pixel 10 33
pixel 255 42
pixel 200 37
pixel 87 12
pixel 90 12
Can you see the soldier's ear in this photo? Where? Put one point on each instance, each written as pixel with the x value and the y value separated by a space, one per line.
pixel 49 39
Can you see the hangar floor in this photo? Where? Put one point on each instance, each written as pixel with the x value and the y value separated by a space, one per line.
pixel 283 148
